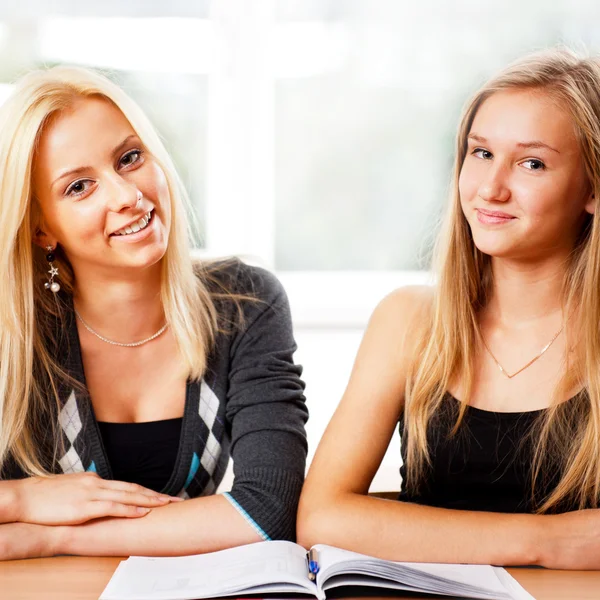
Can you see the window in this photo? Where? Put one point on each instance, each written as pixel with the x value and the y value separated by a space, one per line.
pixel 314 136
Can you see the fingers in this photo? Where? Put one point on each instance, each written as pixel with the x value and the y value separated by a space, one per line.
pixel 134 488
pixel 107 508
pixel 132 498
pixel 71 499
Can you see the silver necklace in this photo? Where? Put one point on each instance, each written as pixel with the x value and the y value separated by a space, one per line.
pixel 131 345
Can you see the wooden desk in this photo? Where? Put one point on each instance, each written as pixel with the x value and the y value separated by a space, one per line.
pixel 82 578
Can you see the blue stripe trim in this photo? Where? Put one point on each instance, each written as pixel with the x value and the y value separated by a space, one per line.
pixel 193 470
pixel 248 518
pixel 92 468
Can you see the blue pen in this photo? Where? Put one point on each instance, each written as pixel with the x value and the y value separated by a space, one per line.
pixel 313 564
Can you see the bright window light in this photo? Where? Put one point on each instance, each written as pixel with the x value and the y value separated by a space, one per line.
pixel 5 90
pixel 173 45
pixel 309 49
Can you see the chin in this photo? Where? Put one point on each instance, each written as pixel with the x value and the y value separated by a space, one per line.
pixel 499 248
pixel 144 258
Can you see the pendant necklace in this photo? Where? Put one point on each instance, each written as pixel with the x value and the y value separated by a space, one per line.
pixel 529 363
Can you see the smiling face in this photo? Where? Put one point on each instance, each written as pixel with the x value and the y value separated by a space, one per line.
pixel 522 185
pixel 95 183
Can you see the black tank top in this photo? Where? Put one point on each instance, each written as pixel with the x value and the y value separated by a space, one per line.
pixel 485 466
pixel 142 453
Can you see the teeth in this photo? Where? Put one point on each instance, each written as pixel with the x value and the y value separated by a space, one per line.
pixel 135 227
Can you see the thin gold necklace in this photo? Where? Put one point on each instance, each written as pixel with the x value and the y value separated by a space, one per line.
pixel 529 363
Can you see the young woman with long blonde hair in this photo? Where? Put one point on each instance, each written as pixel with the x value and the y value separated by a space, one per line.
pixel 493 373
pixel 129 373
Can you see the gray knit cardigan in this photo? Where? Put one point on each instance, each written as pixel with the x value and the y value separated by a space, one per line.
pixel 249 405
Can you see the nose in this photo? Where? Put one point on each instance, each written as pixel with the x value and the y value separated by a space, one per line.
pixel 494 188
pixel 123 195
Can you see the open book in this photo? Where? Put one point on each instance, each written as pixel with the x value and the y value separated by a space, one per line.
pixel 283 567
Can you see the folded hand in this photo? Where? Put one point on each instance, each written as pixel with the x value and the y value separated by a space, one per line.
pixel 76 498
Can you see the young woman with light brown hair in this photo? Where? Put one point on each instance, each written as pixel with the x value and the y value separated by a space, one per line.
pixel 129 373
pixel 493 373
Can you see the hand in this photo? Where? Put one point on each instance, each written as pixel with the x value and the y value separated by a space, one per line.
pixel 76 498
pixel 571 540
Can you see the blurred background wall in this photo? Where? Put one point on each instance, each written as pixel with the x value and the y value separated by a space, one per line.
pixel 315 137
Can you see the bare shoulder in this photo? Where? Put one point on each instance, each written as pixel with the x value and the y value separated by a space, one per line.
pixel 406 308
pixel 390 343
pixel 398 323
pixel 412 298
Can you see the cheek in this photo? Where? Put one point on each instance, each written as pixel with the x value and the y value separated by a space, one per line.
pixel 156 188
pixel 163 193
pixel 78 223
pixel 544 200
pixel 467 186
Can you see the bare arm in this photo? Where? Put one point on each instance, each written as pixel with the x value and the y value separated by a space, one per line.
pixel 190 527
pixel 334 506
pixel 8 502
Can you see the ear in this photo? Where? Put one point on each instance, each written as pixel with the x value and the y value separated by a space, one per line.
pixel 40 234
pixel 590 205
pixel 43 239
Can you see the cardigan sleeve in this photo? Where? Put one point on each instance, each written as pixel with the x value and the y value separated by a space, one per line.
pixel 266 410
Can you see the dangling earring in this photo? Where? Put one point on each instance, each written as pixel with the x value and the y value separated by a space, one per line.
pixel 51 285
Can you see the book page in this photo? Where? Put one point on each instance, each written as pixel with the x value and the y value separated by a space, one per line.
pixel 255 568
pixel 342 567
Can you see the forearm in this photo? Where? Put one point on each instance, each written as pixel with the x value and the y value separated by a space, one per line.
pixel 191 527
pixel 410 532
pixel 9 501
pixel 26 540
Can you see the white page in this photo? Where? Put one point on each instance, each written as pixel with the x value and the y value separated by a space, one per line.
pixel 211 575
pixel 517 590
pixel 426 575
pixel 362 581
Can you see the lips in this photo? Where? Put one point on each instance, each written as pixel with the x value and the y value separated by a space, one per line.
pixel 495 213
pixel 493 217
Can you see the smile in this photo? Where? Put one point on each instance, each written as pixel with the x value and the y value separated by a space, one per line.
pixel 135 227
pixel 493 218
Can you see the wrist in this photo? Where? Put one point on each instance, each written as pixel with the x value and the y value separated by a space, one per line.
pixel 56 540
pixel 534 539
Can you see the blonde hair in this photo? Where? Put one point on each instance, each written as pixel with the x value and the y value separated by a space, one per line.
pixel 567 436
pixel 30 376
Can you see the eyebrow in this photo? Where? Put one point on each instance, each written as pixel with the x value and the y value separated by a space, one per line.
pixel 532 144
pixel 79 170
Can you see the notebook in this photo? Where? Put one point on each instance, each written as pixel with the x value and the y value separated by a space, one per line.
pixel 284 567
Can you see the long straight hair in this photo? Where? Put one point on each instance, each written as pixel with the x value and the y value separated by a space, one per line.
pixel 568 434
pixel 30 374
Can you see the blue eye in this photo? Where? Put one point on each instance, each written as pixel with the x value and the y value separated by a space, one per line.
pixel 535 164
pixel 481 153
pixel 79 187
pixel 131 158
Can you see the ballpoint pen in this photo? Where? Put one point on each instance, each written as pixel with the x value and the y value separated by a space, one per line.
pixel 313 564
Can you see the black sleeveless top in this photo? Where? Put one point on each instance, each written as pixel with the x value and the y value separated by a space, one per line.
pixel 142 453
pixel 486 465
